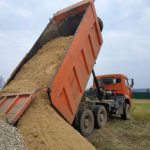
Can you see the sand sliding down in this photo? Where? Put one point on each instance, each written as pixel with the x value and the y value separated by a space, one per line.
pixel 42 128
pixel 41 68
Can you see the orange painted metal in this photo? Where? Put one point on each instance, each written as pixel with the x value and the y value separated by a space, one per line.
pixel 118 88
pixel 74 9
pixel 13 105
pixel 70 81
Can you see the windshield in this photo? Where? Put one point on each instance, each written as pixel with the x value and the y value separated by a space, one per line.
pixel 109 80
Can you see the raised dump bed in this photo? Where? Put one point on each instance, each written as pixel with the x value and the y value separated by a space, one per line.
pixel 68 82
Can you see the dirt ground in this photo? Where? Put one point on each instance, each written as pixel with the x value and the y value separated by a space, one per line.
pixel 127 135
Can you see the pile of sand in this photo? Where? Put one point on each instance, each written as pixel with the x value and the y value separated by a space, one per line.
pixel 40 70
pixel 42 128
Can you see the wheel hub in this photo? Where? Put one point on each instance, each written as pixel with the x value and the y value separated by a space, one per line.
pixel 86 123
pixel 101 116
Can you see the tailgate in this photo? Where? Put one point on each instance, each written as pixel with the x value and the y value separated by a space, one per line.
pixel 12 106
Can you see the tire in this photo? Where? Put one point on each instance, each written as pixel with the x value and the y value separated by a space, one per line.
pixel 126 114
pixel 100 24
pixel 85 122
pixel 100 116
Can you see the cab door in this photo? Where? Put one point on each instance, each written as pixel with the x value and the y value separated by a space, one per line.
pixel 127 88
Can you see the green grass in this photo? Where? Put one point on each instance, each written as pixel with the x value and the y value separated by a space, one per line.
pixel 141 110
pixel 127 135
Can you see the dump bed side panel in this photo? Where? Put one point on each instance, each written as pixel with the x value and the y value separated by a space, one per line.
pixel 70 81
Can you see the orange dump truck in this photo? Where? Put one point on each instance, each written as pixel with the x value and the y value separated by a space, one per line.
pixel 81 22
pixel 111 94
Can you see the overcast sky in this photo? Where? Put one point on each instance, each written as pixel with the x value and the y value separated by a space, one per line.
pixel 126 34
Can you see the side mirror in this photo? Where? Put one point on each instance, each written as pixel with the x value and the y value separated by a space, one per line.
pixel 132 83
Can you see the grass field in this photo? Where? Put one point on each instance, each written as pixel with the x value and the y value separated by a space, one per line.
pixel 125 135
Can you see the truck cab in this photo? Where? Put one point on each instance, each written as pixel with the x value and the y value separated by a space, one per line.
pixel 117 84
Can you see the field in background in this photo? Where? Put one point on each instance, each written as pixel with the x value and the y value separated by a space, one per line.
pixel 141 110
pixel 126 135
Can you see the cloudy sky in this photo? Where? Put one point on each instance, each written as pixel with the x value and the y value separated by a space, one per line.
pixel 126 34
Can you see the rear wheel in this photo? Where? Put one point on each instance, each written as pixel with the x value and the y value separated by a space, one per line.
pixel 100 116
pixel 86 122
pixel 126 113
